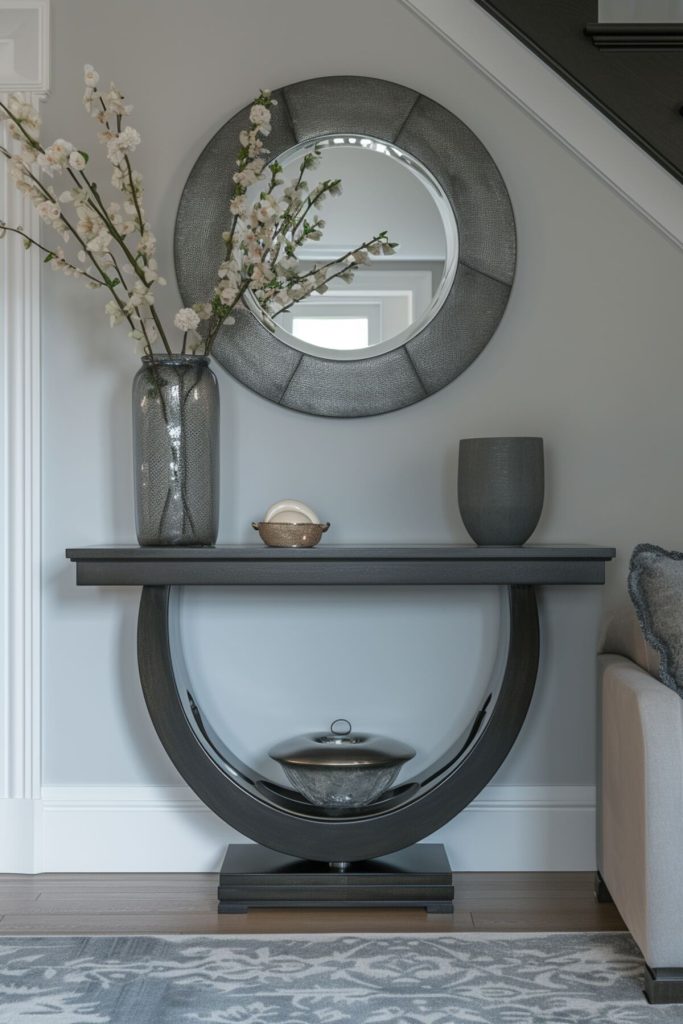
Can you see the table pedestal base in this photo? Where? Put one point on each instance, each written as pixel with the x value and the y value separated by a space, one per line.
pixel 253 876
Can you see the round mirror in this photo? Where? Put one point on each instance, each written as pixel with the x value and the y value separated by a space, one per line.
pixel 391 297
pixel 409 323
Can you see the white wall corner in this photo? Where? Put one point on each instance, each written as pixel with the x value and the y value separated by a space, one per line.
pixel 24 67
pixel 551 101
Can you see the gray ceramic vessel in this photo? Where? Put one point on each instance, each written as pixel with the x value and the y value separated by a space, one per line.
pixel 501 488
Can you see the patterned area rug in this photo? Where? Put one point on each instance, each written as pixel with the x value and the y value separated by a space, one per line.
pixel 326 979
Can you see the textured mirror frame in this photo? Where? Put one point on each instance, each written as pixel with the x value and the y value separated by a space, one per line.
pixel 471 312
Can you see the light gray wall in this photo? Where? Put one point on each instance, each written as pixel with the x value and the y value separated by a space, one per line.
pixel 588 355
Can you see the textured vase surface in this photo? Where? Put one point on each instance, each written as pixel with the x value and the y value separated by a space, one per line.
pixel 501 488
pixel 176 442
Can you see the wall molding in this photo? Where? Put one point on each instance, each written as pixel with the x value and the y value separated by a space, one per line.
pixel 20 469
pixel 148 828
pixel 525 828
pixel 20 351
pixel 562 111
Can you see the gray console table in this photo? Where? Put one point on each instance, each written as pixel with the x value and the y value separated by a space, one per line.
pixel 280 819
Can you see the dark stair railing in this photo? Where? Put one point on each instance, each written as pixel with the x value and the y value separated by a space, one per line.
pixel 632 73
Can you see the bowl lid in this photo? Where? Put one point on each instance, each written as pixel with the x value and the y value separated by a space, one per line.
pixel 341 748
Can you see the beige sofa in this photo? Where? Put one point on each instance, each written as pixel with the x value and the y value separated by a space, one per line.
pixel 640 806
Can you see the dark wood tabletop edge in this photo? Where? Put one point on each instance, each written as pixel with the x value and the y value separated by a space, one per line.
pixel 349 552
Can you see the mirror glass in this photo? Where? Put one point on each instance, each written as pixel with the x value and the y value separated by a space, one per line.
pixel 391 297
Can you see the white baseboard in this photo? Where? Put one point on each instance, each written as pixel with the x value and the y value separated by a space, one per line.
pixel 524 828
pixel 130 828
pixel 146 828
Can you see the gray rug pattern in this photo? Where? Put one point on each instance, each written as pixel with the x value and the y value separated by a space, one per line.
pixel 326 979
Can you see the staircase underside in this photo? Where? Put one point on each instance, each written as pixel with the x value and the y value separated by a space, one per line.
pixel 639 89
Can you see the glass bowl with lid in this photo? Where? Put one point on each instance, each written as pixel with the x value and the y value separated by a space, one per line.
pixel 341 769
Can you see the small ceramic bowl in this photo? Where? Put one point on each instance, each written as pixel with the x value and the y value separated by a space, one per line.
pixel 291 535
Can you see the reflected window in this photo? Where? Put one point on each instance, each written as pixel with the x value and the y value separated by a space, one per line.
pixel 341 332
pixel 389 302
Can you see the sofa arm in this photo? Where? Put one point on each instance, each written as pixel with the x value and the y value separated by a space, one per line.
pixel 640 797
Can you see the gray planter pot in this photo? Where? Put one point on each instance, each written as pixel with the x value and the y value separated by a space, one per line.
pixel 501 488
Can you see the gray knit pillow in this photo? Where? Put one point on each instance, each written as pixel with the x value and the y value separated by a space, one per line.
pixel 655 583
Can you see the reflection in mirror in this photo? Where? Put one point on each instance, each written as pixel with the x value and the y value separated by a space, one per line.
pixel 391 298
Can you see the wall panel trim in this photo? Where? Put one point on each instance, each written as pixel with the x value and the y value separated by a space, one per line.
pixel 20 468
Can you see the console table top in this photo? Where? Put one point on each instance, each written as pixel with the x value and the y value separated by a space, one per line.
pixel 424 564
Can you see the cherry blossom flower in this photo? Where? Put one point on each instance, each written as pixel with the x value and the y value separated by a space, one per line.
pixel 115 246
pixel 90 76
pixel 100 243
pixel 186 319
pixel 260 116
pixel 48 211
pixel 120 145
pixel 77 161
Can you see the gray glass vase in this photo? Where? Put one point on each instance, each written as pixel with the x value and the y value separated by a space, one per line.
pixel 501 488
pixel 175 441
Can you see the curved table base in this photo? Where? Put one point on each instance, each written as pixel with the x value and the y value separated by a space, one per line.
pixel 281 820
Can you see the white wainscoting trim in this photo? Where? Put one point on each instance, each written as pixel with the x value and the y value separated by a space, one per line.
pixel 524 828
pixel 20 487
pixel 20 470
pixel 146 828
pixel 550 100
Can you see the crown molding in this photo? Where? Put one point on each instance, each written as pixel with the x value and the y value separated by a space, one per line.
pixel 562 111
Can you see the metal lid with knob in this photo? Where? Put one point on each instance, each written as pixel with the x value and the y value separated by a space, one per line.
pixel 342 748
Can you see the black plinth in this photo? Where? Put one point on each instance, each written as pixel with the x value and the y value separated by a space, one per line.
pixel 253 876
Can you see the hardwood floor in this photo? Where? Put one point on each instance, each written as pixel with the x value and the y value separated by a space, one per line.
pixel 134 904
